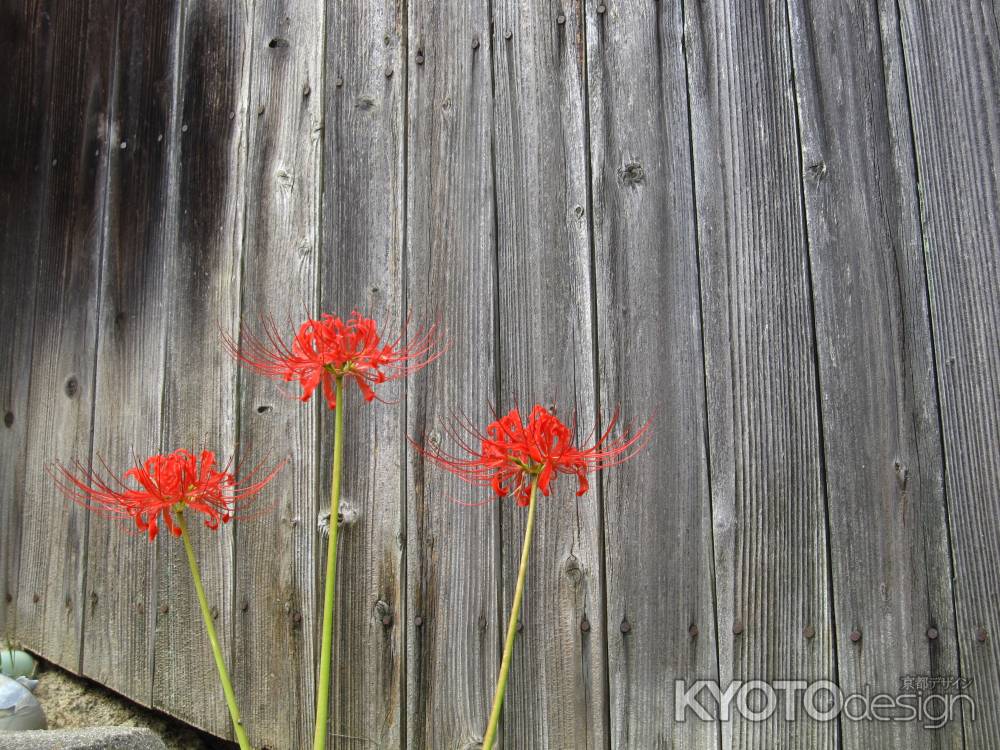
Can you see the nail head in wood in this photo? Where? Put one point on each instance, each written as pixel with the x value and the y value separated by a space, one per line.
pixel 520 627
pixel 418 621
pixel 164 609
pixel 855 636
pixel 508 34
pixel 475 42
pixel 388 72
pixel 560 19
pixel 420 58
pixel 387 620
pixel 932 634
pixel 626 626
pixel 8 419
pixel 738 627
pixel 809 632
pixel 693 631
pixel 601 8
pixel 981 635
pixel 585 625
pixel 339 82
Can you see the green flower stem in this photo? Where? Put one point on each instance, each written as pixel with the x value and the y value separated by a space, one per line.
pixel 508 649
pixel 227 686
pixel 326 654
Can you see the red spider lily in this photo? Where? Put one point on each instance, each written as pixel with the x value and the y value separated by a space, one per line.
pixel 166 484
pixel 513 452
pixel 326 349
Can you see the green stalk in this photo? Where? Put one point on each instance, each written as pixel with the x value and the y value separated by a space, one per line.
pixel 227 686
pixel 326 654
pixel 508 649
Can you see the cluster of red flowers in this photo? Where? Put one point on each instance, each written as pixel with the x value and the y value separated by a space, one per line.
pixel 513 452
pixel 166 484
pixel 325 349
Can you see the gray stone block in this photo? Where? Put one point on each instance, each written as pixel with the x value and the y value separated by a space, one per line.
pixel 96 738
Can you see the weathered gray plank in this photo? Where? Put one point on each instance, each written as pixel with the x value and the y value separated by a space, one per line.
pixel 26 44
pixel 362 268
pixel 199 380
pixel 121 582
pixel 453 620
pixel 952 63
pixel 276 604
pixel 557 695
pixel 768 501
pixel 658 533
pixel 50 594
pixel 884 474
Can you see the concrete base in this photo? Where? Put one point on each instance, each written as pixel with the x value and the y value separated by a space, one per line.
pixel 95 738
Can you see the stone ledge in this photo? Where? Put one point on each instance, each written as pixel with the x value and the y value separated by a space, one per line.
pixel 94 738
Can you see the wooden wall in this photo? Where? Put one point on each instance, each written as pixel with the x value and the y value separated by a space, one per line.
pixel 773 223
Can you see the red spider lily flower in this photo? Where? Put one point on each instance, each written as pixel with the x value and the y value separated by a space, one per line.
pixel 330 348
pixel 513 452
pixel 166 484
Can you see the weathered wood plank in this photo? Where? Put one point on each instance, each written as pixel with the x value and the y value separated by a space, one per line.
pixel 275 591
pixel 50 594
pixel 658 533
pixel 952 63
pixel 362 268
pixel 140 235
pixel 556 696
pixel 768 499
pixel 884 474
pixel 453 618
pixel 199 380
pixel 26 45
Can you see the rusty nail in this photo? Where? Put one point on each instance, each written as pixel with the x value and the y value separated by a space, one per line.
pixel 809 631
pixel 387 620
pixel 693 631
pixel 855 636
pixel 475 42
pixel 981 635
pixel 560 19
pixel 932 633
pixel 508 34
pixel 738 627
pixel 585 625
pixel 626 626
pixel 418 621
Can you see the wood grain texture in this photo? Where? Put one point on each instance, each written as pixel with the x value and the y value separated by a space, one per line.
pixel 658 522
pixel 139 232
pixel 362 268
pixel 952 63
pixel 275 591
pixel 767 491
pixel 199 377
pixel 556 697
pixel 27 45
pixel 884 474
pixel 452 558
pixel 69 248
